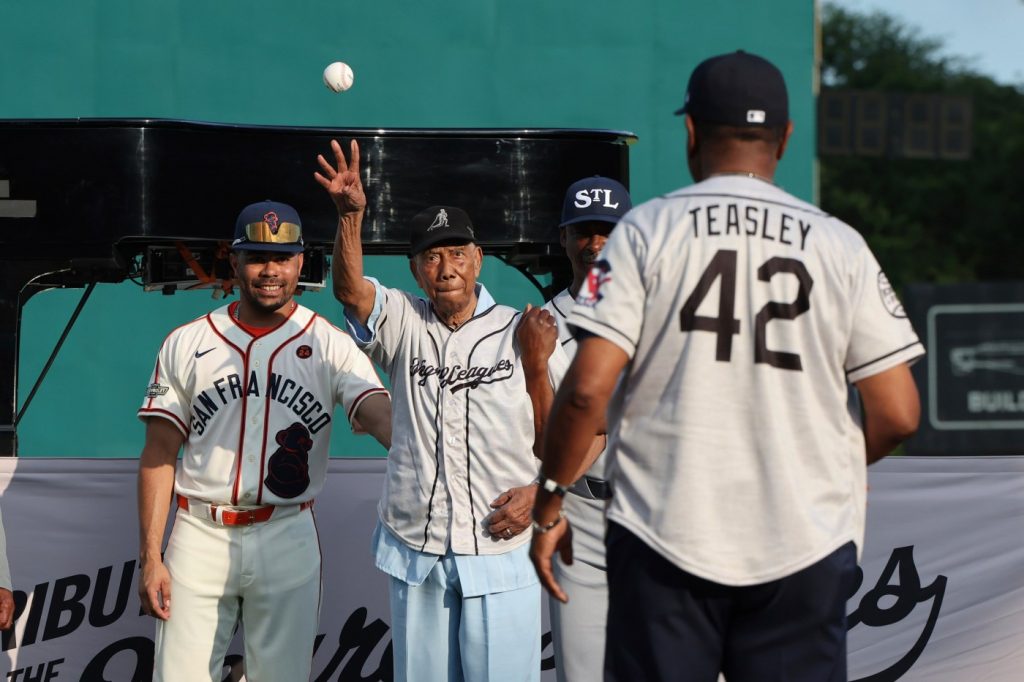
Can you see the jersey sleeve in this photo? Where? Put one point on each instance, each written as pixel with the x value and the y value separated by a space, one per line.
pixel 558 365
pixel 881 335
pixel 355 380
pixel 392 308
pixel 166 397
pixel 360 333
pixel 611 300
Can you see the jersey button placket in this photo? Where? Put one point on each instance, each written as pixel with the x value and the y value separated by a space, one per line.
pixel 455 461
pixel 254 427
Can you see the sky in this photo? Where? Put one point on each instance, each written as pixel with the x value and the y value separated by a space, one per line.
pixel 987 32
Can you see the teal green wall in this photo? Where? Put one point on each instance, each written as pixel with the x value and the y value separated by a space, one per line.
pixel 458 63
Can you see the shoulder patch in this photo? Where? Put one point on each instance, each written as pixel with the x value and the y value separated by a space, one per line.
pixel 156 390
pixel 889 299
pixel 590 292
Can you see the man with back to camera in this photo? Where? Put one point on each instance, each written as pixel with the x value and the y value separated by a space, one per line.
pixel 472 386
pixel 739 313
pixel 249 390
pixel 591 208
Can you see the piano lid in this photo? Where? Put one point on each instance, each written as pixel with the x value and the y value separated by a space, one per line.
pixel 80 200
pixel 86 190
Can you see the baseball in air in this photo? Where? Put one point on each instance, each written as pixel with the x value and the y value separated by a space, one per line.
pixel 338 76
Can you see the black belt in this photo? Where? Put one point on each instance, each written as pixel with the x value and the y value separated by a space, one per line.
pixel 592 488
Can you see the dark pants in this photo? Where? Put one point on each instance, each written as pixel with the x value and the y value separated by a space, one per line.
pixel 667 624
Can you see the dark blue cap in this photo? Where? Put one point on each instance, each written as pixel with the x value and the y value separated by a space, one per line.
pixel 595 198
pixel 737 89
pixel 268 226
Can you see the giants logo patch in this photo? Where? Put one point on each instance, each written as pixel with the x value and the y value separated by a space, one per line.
pixel 272 221
pixel 304 352
pixel 590 292
pixel 288 467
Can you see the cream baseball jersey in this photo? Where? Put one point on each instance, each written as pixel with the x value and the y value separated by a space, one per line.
pixel 587 515
pixel 257 413
pixel 559 307
pixel 462 422
pixel 745 313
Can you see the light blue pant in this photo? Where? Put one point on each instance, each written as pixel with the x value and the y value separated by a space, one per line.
pixel 437 634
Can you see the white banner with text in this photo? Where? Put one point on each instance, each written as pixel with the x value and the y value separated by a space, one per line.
pixel 941 597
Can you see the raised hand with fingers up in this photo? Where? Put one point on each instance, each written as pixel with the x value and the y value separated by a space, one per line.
pixel 342 180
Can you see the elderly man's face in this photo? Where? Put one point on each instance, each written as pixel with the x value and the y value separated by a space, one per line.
pixel 447 275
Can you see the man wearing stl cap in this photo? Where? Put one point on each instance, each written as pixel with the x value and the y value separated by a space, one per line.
pixel 737 315
pixel 591 208
pixel 472 386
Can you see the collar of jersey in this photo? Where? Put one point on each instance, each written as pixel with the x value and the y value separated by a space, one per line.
pixel 484 300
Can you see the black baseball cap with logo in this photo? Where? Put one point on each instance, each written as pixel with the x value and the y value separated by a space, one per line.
pixel 737 89
pixel 595 198
pixel 437 225
pixel 268 226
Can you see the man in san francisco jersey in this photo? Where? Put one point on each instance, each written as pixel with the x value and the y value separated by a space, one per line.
pixel 249 391
pixel 590 210
pixel 471 386
pixel 739 314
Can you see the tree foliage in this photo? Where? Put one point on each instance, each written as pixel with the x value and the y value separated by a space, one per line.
pixel 927 220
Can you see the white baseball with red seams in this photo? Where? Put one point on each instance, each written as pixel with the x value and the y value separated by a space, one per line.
pixel 338 76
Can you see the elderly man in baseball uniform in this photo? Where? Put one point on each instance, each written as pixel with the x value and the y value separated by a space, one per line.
pixel 739 314
pixel 249 391
pixel 590 210
pixel 472 386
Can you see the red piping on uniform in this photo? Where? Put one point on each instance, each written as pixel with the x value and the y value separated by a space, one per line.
pixel 320 550
pixel 175 418
pixel 266 399
pixel 245 403
pixel 156 381
pixel 363 396
pixel 270 330
pixel 156 372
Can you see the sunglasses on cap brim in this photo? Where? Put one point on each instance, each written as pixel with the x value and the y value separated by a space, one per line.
pixel 286 233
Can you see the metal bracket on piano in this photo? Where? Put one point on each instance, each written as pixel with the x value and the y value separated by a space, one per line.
pixel 179 266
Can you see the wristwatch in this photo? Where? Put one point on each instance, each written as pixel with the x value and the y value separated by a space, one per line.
pixel 552 486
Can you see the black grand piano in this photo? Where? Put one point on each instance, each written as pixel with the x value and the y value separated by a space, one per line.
pixel 87 201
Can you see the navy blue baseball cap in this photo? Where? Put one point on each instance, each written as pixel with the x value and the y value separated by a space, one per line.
pixel 268 226
pixel 595 198
pixel 737 89
pixel 438 224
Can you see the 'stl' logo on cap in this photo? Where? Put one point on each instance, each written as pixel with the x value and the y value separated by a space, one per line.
pixel 440 220
pixel 586 197
pixel 272 221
